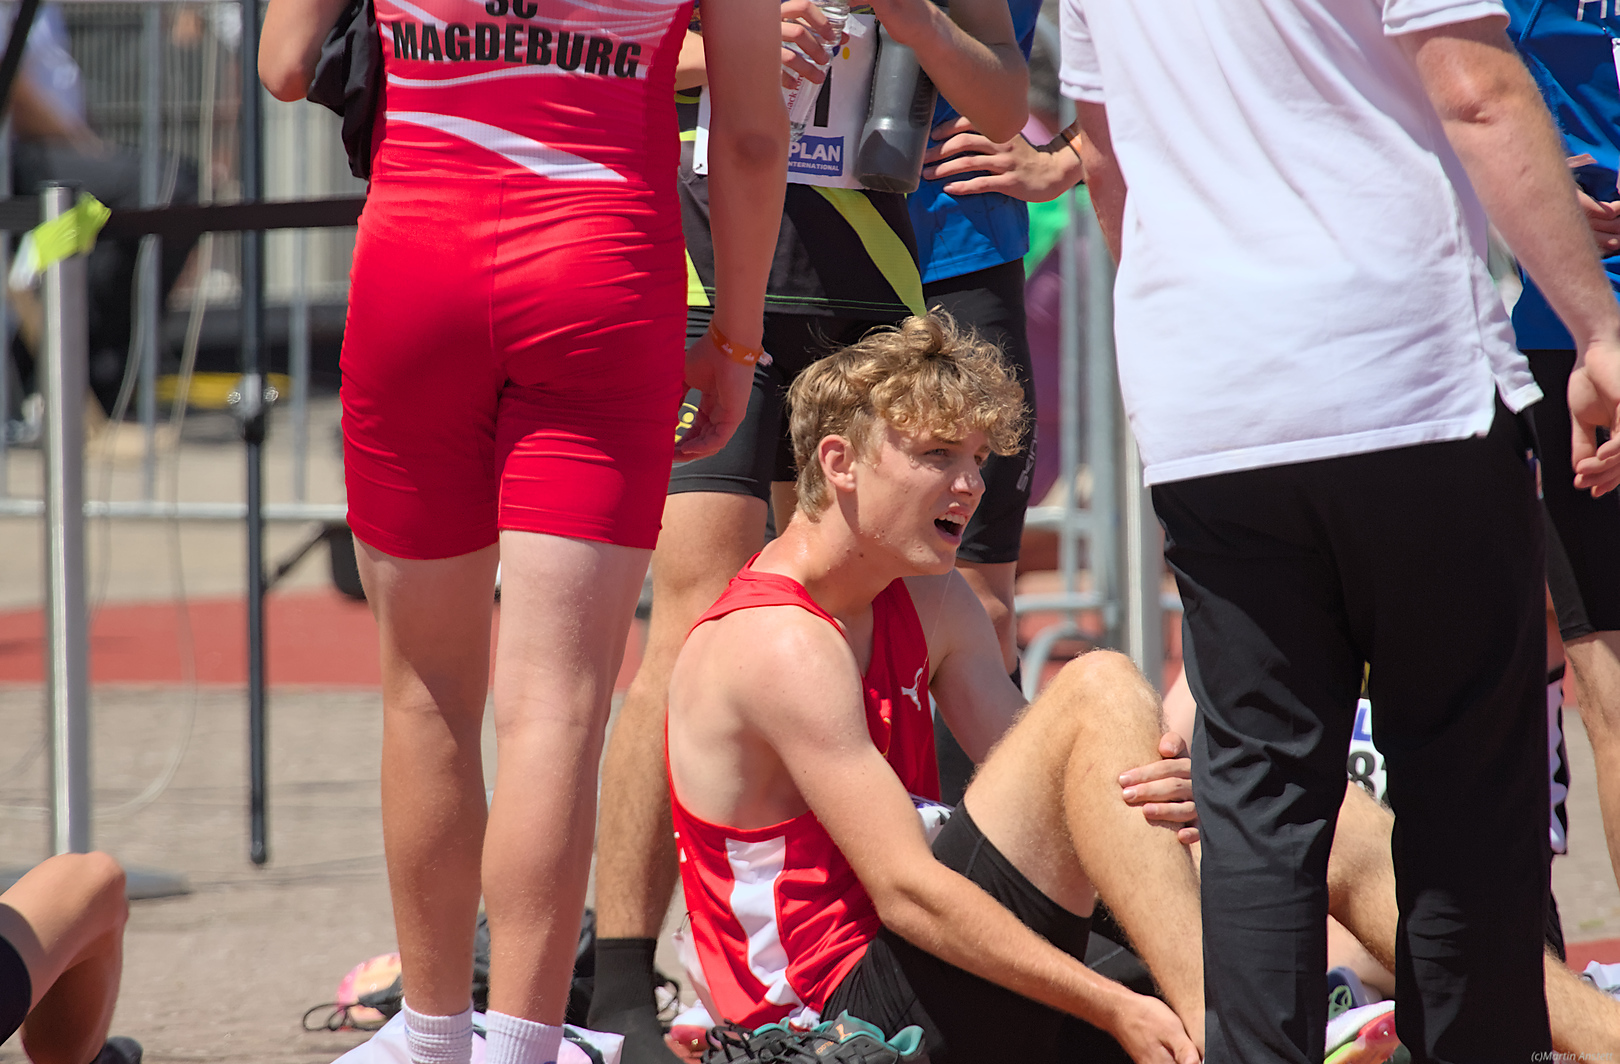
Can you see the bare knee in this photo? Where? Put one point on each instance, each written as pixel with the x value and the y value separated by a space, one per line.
pixel 102 879
pixel 1104 682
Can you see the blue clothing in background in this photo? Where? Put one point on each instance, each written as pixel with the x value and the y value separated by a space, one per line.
pixel 957 236
pixel 1567 45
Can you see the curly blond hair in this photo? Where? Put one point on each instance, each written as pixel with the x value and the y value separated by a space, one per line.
pixel 926 376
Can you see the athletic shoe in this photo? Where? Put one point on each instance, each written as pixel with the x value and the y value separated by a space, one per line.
pixel 845 1040
pixel 1364 1035
pixel 119 1050
pixel 1345 992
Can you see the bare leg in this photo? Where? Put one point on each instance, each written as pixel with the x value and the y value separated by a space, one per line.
pixel 566 610
pixel 706 538
pixel 66 918
pixel 1361 894
pixel 1056 777
pixel 433 622
pixel 1595 660
pixel 993 583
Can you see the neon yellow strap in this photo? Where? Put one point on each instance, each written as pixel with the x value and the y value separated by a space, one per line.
pixel 695 295
pixel 886 249
pixel 74 233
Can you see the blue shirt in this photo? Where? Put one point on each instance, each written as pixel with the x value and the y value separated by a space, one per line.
pixel 957 236
pixel 1567 46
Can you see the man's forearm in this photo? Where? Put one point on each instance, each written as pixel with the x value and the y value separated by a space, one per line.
pixel 747 182
pixel 987 83
pixel 1498 125
pixel 951 918
pixel 1103 177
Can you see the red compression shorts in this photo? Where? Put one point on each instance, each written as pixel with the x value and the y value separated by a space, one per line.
pixel 512 360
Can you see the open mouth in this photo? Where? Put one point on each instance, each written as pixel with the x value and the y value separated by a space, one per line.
pixel 951 526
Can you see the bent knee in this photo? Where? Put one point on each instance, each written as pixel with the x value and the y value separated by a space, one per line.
pixel 1105 687
pixel 1097 668
pixel 97 879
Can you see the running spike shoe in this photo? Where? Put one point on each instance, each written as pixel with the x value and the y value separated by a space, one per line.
pixel 846 1040
pixel 1364 1035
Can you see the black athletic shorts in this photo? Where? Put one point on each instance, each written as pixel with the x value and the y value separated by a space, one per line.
pixel 965 1018
pixel 16 989
pixel 992 301
pixel 1583 533
pixel 762 450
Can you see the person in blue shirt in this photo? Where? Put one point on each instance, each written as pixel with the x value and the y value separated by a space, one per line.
pixel 970 249
pixel 1571 47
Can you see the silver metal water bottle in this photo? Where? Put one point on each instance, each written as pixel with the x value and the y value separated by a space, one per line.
pixel 890 155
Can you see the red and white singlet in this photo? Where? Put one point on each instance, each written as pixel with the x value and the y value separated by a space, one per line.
pixel 778 917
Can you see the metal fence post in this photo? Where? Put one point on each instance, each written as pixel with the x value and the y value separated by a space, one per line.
pixel 1144 612
pixel 252 415
pixel 66 384
pixel 148 311
pixel 1102 425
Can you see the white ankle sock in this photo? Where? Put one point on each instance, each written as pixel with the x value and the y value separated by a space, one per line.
pixel 438 1039
pixel 511 1040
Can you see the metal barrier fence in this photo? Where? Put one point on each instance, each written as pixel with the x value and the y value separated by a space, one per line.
pixel 181 47
pixel 160 81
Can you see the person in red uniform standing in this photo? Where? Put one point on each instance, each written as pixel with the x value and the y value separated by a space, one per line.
pixel 512 375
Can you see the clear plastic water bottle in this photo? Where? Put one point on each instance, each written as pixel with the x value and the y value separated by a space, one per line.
pixel 801 98
pixel 895 137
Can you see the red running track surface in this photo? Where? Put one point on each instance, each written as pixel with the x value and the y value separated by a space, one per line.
pixel 312 639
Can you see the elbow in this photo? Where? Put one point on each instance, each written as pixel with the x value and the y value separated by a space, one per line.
pixel 903 909
pixel 755 150
pixel 285 77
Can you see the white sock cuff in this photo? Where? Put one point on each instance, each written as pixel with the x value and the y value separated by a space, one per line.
pixel 439 1039
pixel 425 1024
pixel 514 1040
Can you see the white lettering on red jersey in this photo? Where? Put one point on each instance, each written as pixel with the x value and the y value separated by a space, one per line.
pixel 778 917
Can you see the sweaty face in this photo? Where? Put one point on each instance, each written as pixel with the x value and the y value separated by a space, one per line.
pixel 915 493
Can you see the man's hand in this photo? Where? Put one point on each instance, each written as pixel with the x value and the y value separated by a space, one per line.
pixel 1604 218
pixel 1151 1033
pixel 724 385
pixel 806 28
pixel 1594 403
pixel 1016 168
pixel 1163 790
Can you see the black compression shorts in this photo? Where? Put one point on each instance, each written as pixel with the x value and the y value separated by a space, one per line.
pixel 761 452
pixel 16 989
pixel 964 1018
pixel 1583 533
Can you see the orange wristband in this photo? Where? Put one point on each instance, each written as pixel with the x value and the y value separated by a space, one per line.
pixel 747 356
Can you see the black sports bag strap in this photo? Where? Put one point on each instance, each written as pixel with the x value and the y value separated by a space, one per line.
pixel 347 79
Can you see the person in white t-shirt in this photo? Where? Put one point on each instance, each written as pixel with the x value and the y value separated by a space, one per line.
pixel 1326 394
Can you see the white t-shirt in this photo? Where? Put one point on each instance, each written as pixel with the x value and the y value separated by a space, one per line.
pixel 1303 265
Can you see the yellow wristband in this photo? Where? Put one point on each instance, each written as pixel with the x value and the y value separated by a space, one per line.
pixel 747 356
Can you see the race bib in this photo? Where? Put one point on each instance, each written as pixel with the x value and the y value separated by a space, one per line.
pixel 825 155
pixel 1366 764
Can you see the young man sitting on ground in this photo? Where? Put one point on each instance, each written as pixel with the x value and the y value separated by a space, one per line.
pixel 800 751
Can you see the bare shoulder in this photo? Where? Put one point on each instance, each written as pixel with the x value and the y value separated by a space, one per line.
pixel 949 611
pixel 767 659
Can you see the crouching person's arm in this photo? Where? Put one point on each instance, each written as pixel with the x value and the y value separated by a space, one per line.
pixel 814 718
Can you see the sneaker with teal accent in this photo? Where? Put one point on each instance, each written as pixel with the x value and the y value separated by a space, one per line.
pixel 1363 1035
pixel 846 1040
